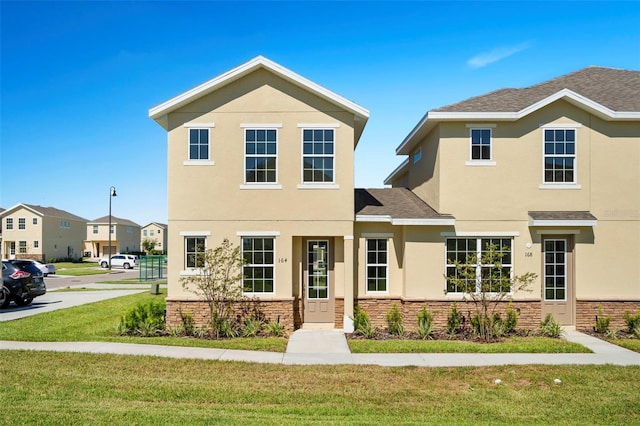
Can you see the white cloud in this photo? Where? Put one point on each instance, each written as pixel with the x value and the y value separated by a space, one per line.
pixel 486 58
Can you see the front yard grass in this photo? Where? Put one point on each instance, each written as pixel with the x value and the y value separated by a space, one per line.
pixel 76 269
pixel 112 389
pixel 632 344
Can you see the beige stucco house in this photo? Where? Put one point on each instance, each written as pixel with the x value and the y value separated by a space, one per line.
pixel 125 237
pixel 156 232
pixel 37 232
pixel 264 157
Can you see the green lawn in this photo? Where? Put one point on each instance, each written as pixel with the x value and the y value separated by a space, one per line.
pixel 75 269
pixel 62 388
pixel 633 344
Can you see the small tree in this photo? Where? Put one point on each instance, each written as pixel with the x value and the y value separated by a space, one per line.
pixel 218 282
pixel 148 245
pixel 485 282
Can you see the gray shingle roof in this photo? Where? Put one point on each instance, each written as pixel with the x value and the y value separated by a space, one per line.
pixel 114 221
pixel 561 215
pixel 398 203
pixel 53 212
pixel 616 89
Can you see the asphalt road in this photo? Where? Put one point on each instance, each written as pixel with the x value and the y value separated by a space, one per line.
pixel 62 281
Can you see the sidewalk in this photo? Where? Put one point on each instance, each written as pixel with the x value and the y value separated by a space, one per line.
pixel 329 347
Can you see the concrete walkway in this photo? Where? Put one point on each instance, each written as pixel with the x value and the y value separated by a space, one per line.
pixel 329 347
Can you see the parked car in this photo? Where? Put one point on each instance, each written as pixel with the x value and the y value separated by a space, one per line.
pixel 46 268
pixel 126 261
pixel 22 281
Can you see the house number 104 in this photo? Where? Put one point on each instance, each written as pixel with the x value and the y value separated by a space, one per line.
pixel 282 260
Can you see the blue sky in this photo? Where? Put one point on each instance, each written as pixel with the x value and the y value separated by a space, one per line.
pixel 78 78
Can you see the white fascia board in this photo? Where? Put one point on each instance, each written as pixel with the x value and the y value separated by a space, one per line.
pixel 17 206
pixel 400 169
pixel 234 74
pixel 561 223
pixel 373 218
pixel 408 141
pixel 422 222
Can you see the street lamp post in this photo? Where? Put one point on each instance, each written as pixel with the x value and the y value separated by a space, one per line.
pixel 112 193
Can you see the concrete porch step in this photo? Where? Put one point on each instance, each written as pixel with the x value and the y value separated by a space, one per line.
pixel 318 342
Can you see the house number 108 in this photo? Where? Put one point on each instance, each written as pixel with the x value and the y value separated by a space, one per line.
pixel 528 254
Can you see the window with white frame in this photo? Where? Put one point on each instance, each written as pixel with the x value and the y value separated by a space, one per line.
pixel 198 144
pixel 377 264
pixel 464 250
pixel 259 268
pixel 480 144
pixel 194 248
pixel 559 156
pixel 151 232
pixel 318 155
pixel 129 230
pixel 95 229
pixel 35 221
pixel 65 224
pixel 144 232
pixel 111 229
pixel 9 223
pixel 22 247
pixel 261 155
pixel 36 244
pixel 22 223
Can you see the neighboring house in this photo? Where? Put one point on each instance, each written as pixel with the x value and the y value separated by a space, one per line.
pixel 550 171
pixel 36 232
pixel 155 232
pixel 264 157
pixel 1 213
pixel 125 237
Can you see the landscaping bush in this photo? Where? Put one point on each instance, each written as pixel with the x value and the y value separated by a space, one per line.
pixel 252 327
pixel 454 320
pixel 633 323
pixel 602 322
pixel 425 324
pixel 144 319
pixel 275 329
pixel 394 321
pixel 550 327
pixel 511 321
pixel 362 324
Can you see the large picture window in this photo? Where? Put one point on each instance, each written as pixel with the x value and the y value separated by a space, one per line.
pixel 194 248
pixel 318 155
pixel 377 258
pixel 198 144
pixel 259 257
pixel 559 156
pixel 261 155
pixel 464 249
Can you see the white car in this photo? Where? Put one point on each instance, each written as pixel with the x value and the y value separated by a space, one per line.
pixel 46 268
pixel 126 261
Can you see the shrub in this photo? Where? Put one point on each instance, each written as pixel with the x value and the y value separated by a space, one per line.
pixel 550 327
pixel 275 329
pixel 394 321
pixel 252 327
pixel 511 321
pixel 633 323
pixel 602 322
pixel 360 319
pixel 425 324
pixel 454 319
pixel 145 319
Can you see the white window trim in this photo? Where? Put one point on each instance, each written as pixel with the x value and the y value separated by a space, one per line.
pixel 192 271
pixel 561 185
pixel 199 125
pixel 376 235
pixel 196 161
pixel 24 228
pixel 481 162
pixel 260 185
pixel 261 126
pixel 195 233
pixel 367 264
pixel 258 294
pixel 258 234
pixel 456 295
pixel 318 185
pixel 317 126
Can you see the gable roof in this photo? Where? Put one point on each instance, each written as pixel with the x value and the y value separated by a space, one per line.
pixel 158 224
pixel 399 206
pixel 159 112
pixel 609 93
pixel 114 221
pixel 45 212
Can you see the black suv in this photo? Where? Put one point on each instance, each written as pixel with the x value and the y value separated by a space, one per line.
pixel 21 282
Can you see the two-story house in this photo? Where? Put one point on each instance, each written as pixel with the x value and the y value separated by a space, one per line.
pixel 156 232
pixel 46 233
pixel 125 237
pixel 552 172
pixel 264 157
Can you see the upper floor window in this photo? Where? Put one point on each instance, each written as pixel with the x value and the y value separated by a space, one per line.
pixel 261 155
pixel 144 232
pixel 417 155
pixel 9 223
pixel 559 156
pixel 318 155
pixel 377 261
pixel 481 144
pixel 159 231
pixel 111 229
pixel 198 144
pixel 151 232
pixel 65 224
pixel 194 248
pixel 22 223
pixel 95 229
pixel 35 221
pixel 129 230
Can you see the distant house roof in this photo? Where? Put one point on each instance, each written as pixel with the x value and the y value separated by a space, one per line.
pixel 562 218
pixel 399 206
pixel 158 224
pixel 114 221
pixel 609 93
pixel 46 211
pixel 159 112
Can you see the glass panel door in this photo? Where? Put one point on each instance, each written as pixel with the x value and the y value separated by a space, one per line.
pixel 317 271
pixel 555 269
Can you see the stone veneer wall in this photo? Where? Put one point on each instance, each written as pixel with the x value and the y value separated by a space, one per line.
pixel 378 308
pixel 586 312
pixel 273 310
pixel 339 316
